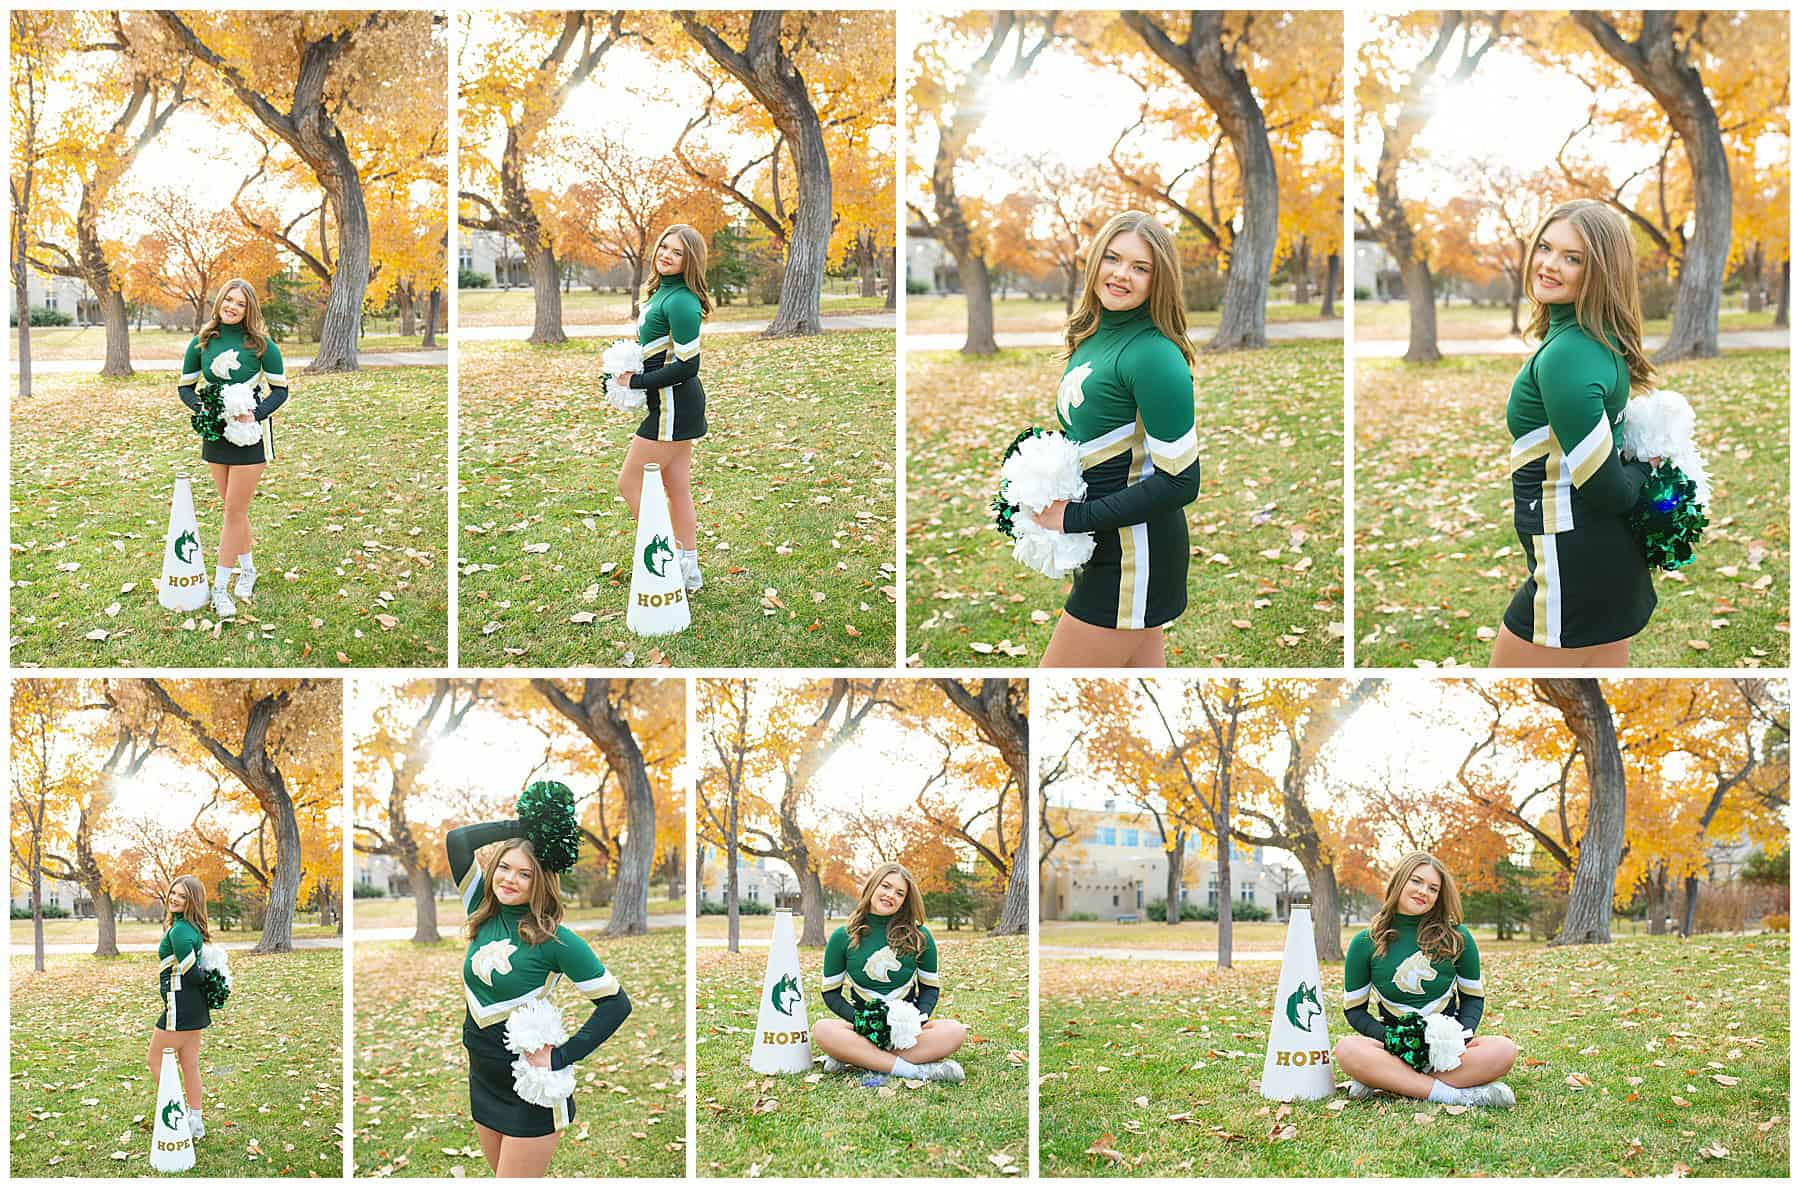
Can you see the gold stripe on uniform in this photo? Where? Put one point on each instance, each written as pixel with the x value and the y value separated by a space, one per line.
pixel 1133 569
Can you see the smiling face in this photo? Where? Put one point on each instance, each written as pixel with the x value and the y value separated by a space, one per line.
pixel 177 899
pixel 1421 889
pixel 671 255
pixel 1557 263
pixel 232 306
pixel 890 894
pixel 1126 269
pixel 514 874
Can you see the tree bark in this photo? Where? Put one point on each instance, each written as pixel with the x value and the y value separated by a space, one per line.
pixel 1172 880
pixel 434 309
pixel 1662 67
pixel 1300 264
pixel 1583 707
pixel 865 262
pixel 894 282
pixel 1754 281
pixel 1781 305
pixel 1211 68
pixel 403 299
pixel 812 908
pixel 424 893
pixel 1334 276
pixel 997 709
pixel 1656 903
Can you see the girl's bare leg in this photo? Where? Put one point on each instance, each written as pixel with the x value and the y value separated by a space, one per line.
pixel 1512 652
pixel 187 1052
pixel 676 458
pixel 839 1040
pixel 234 535
pixel 1487 1058
pixel 938 1039
pixel 1075 644
pixel 525 1158
pixel 490 1144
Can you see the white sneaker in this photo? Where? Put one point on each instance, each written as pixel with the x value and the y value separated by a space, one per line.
pixel 834 1065
pixel 1359 1091
pixel 196 1127
pixel 690 573
pixel 941 1070
pixel 1494 1095
pixel 222 604
pixel 246 582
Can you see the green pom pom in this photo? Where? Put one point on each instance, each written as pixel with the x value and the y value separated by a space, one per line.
pixel 1405 1038
pixel 214 987
pixel 1005 510
pixel 547 811
pixel 209 422
pixel 871 1022
pixel 1667 520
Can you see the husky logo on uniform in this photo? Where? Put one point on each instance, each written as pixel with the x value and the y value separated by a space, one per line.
pixel 784 995
pixel 1413 973
pixel 171 1113
pixel 224 363
pixel 492 958
pixel 1303 1006
pixel 881 963
pixel 185 544
pixel 1068 393
pixel 657 554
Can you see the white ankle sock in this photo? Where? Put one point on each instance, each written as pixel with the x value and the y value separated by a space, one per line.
pixel 224 575
pixel 1447 1094
pixel 905 1068
pixel 244 561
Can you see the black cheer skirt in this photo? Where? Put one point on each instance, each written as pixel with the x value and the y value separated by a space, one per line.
pixel 189 1005
pixel 492 1101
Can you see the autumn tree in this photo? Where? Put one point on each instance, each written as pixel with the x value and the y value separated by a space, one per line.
pixel 516 79
pixel 727 767
pixel 277 741
pixel 44 782
pixel 189 252
pixel 35 46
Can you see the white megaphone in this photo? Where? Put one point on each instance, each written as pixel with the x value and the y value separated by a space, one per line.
pixel 659 604
pixel 183 585
pixel 171 1142
pixel 783 1040
pixel 1298 1062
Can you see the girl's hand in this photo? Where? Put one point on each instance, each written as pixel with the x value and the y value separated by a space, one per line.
pixel 623 379
pixel 539 1058
pixel 245 417
pixel 1052 516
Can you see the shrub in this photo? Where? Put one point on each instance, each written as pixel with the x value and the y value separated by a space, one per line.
pixel 916 287
pixel 1777 922
pixel 51 912
pixel 1203 289
pixel 1360 294
pixel 369 891
pixel 746 907
pixel 468 278
pixel 1158 910
pixel 1656 295
pixel 1083 917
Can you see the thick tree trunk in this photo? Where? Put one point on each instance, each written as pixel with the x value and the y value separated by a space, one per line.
pixel 546 296
pixel 637 287
pixel 1015 909
pixel 37 909
pixel 118 334
pixel 1656 903
pixel 1327 935
pixel 812 907
pixel 637 850
pixel 1172 881
pixel 1584 709
pixel 1222 830
pixel 1690 903
pixel 865 262
pixel 978 301
pixel 891 301
pixel 1754 281
pixel 403 298
pixel 284 883
pixel 433 310
pixel 106 919
pixel 1781 304
pixel 1334 276
pixel 1300 265
pixel 1421 340
pixel 424 893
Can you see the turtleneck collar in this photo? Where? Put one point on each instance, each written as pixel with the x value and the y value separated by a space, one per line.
pixel 513 911
pixel 1562 313
pixel 673 281
pixel 1113 318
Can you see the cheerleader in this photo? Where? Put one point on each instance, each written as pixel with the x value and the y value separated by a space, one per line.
pixel 1127 401
pixel 518 950
pixel 674 402
pixel 1587 587
pixel 1417 958
pixel 185 1012
pixel 233 347
pixel 885 953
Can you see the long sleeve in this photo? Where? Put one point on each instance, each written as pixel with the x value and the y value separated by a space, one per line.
pixel 275 373
pixel 611 1006
pixel 462 843
pixel 683 362
pixel 837 965
pixel 1163 387
pixel 927 971
pixel 1471 993
pixel 1359 983
pixel 190 375
pixel 1574 373
pixel 839 1005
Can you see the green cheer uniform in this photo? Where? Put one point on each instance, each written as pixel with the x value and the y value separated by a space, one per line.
pixel 1127 401
pixel 1406 981
pixel 501 973
pixel 178 979
pixel 872 970
pixel 669 332
pixel 1587 581
pixel 227 359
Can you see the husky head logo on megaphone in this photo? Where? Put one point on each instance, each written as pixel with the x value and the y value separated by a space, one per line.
pixel 657 554
pixel 1303 1006
pixel 171 1114
pixel 785 994
pixel 185 544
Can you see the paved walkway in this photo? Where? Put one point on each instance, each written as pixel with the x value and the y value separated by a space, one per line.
pixel 307 942
pixel 672 920
pixel 1313 331
pixel 1393 348
pixel 873 321
pixel 1074 953
pixel 296 364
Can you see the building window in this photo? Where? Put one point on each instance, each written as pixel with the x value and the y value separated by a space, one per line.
pixel 1140 899
pixel 1247 893
pixel 1115 901
pixel 755 893
pixel 1129 837
pixel 1106 835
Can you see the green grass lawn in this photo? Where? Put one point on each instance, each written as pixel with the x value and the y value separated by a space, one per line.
pixel 350 523
pixel 411 1100
pixel 61 343
pixel 793 487
pixel 948 314
pixel 1391 320
pixel 1645 1057
pixel 141 932
pixel 1436 555
pixel 271 1068
pixel 1265 576
pixel 399 912
pixel 584 307
pixel 833 1125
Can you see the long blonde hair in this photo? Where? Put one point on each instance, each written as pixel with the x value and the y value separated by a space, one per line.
pixel 543 911
pixel 903 935
pixel 693 265
pixel 1440 937
pixel 194 912
pixel 1167 309
pixel 1607 306
pixel 256 334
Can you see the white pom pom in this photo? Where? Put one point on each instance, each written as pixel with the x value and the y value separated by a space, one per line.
pixel 1445 1040
pixel 1044 469
pixel 534 1025
pixel 239 399
pixel 904 1024
pixel 625 399
pixel 547 1087
pixel 1660 424
pixel 213 956
pixel 627 354
pixel 1051 553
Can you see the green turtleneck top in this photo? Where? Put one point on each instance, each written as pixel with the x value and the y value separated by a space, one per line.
pixel 502 972
pixel 872 969
pixel 177 951
pixel 227 359
pixel 1406 981
pixel 669 332
pixel 1127 401
pixel 1566 415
